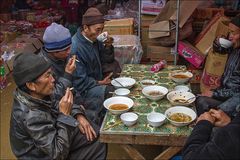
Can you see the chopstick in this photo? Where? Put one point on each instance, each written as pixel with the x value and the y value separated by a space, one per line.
pixel 119 83
pixel 111 126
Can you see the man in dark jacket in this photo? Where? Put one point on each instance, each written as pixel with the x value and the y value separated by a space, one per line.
pixel 37 129
pixel 226 97
pixel 223 144
pixel 88 76
pixel 56 49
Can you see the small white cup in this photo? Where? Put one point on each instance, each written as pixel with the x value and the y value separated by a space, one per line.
pixel 182 88
pixel 102 37
pixel 122 92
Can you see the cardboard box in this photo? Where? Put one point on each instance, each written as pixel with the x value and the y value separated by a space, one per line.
pixel 156 53
pixel 119 26
pixel 161 24
pixel 213 70
pixel 207 13
pixel 214 28
pixel 191 54
pixel 146 20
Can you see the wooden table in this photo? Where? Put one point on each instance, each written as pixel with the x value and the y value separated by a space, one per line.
pixel 113 131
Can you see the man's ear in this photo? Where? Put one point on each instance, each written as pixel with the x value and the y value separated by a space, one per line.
pixel 31 86
pixel 85 28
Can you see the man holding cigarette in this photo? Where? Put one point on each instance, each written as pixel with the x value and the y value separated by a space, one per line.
pixel 37 129
pixel 57 42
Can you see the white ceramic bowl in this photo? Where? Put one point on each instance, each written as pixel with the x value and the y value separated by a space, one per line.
pixel 147 91
pixel 182 88
pixel 129 118
pixel 187 76
pixel 180 109
pixel 225 43
pixel 127 82
pixel 118 100
pixel 156 119
pixel 181 98
pixel 122 92
pixel 146 82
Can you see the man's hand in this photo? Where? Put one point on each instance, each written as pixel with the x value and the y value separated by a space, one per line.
pixel 109 41
pixel 107 80
pixel 71 65
pixel 65 104
pixel 86 128
pixel 207 93
pixel 222 119
pixel 206 116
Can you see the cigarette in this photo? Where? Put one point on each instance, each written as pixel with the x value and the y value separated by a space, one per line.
pixel 71 88
pixel 77 60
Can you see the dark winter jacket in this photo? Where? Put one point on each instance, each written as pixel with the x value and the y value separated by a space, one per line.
pixel 230 81
pixel 223 144
pixel 62 81
pixel 89 68
pixel 37 131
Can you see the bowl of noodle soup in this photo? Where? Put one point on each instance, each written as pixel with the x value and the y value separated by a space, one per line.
pixel 180 115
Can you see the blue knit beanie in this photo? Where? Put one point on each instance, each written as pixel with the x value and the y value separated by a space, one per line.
pixel 56 38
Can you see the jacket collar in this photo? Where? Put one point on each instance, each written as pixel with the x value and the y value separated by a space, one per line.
pixel 82 38
pixel 30 101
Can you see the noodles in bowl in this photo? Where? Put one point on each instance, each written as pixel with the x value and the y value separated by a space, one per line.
pixel 180 115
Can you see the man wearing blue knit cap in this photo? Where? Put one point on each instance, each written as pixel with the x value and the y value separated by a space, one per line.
pixel 57 42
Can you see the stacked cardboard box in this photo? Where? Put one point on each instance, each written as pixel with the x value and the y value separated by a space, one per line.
pixel 119 26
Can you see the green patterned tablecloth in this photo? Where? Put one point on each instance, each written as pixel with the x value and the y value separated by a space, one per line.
pixel 143 106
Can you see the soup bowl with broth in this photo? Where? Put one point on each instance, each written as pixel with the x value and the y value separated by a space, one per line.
pixel 180 115
pixel 181 77
pixel 118 104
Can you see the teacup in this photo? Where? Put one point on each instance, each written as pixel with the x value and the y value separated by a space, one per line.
pixel 182 88
pixel 102 37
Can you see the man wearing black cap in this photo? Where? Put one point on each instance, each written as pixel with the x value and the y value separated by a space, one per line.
pixel 37 129
pixel 88 76
pixel 226 97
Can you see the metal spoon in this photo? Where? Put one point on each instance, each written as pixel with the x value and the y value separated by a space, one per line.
pixel 183 100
